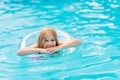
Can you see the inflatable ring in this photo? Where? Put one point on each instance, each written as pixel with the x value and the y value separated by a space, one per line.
pixel 31 39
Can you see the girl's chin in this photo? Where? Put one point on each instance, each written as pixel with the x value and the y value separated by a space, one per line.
pixel 49 46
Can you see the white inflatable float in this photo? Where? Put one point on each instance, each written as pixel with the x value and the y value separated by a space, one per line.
pixel 31 39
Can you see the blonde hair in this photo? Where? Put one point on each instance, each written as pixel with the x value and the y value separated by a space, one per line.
pixel 42 36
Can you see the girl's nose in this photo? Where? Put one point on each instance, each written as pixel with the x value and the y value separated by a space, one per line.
pixel 49 43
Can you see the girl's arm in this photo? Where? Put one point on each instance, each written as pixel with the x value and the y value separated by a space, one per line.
pixel 65 44
pixel 70 43
pixel 30 50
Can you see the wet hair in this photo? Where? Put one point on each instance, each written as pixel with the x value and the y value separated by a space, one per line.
pixel 43 34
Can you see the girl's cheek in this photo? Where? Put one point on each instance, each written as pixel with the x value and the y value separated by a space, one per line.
pixel 54 43
pixel 45 45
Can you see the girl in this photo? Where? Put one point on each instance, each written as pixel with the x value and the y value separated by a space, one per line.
pixel 47 43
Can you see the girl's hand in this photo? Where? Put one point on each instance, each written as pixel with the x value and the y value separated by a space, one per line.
pixel 54 49
pixel 44 51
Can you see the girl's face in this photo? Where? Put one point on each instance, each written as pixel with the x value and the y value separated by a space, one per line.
pixel 49 41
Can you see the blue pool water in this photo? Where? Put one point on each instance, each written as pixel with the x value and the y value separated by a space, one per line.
pixel 95 22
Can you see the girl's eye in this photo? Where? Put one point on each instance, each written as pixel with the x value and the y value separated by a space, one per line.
pixel 52 40
pixel 46 40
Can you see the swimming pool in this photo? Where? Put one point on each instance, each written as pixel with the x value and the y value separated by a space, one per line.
pixel 96 23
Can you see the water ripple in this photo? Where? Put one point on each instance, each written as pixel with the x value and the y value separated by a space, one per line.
pixel 96 23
